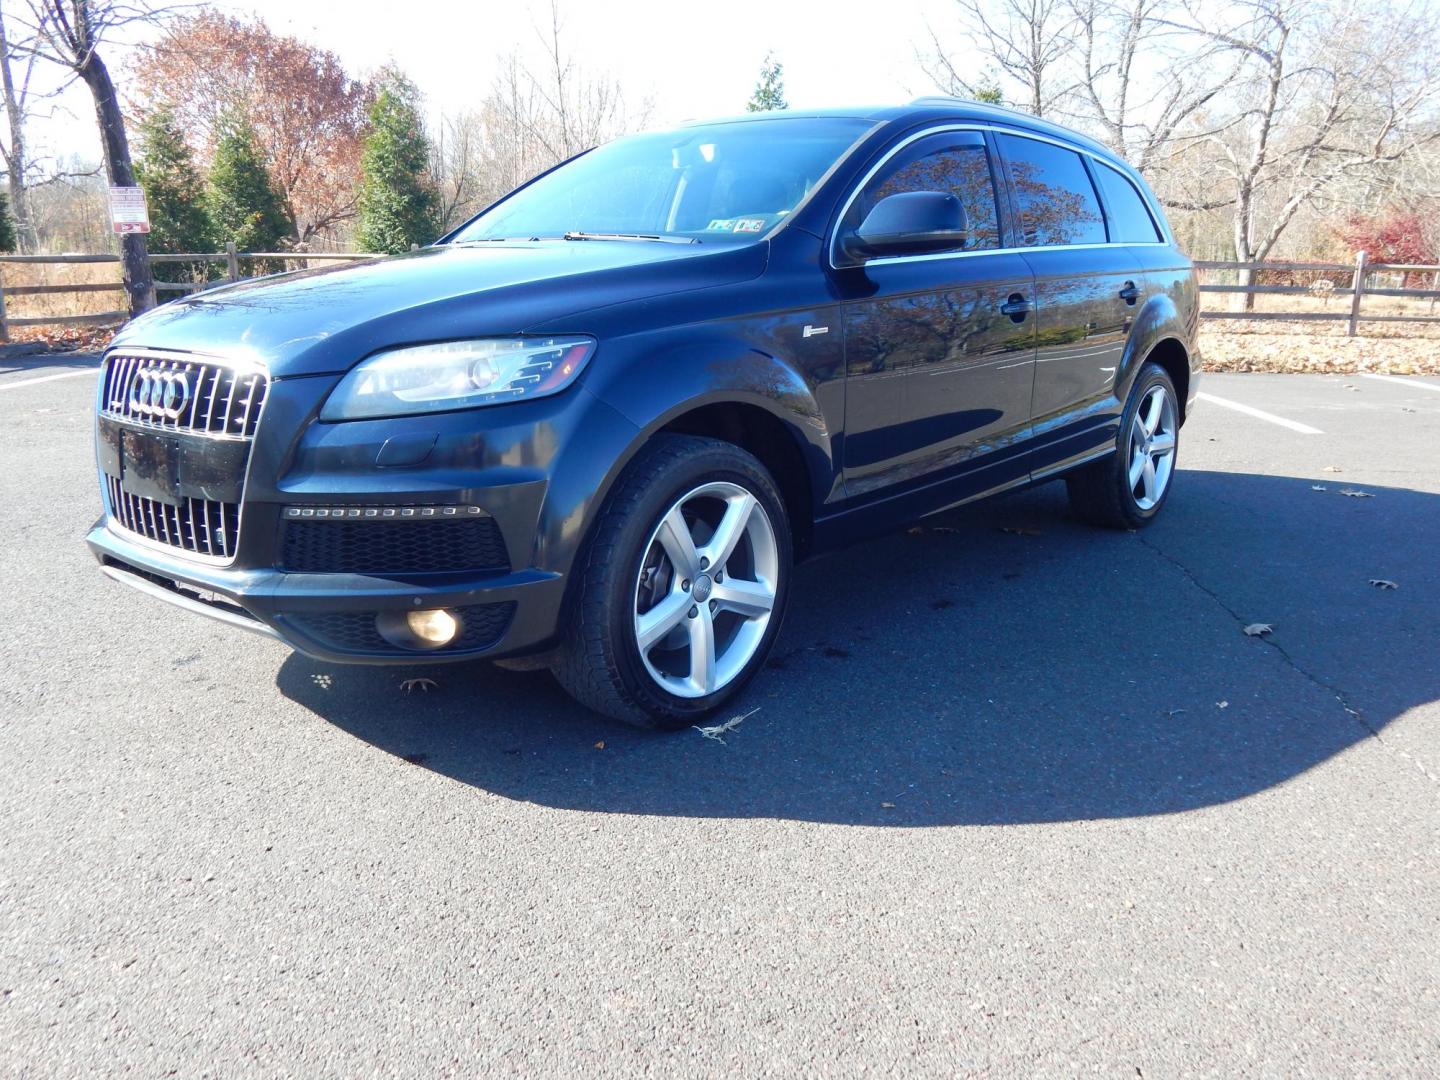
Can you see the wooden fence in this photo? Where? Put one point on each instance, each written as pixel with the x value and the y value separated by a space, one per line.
pixel 1357 277
pixel 1357 286
pixel 230 258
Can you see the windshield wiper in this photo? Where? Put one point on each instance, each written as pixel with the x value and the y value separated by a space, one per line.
pixel 629 236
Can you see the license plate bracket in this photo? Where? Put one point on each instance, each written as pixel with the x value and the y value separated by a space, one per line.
pixel 172 467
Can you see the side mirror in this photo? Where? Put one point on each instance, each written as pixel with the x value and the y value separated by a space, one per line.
pixel 910 223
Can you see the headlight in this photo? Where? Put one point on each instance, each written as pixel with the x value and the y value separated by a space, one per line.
pixel 457 375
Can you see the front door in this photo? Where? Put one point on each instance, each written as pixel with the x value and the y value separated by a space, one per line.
pixel 939 349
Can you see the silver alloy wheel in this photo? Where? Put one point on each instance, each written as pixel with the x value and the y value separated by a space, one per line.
pixel 1152 447
pixel 706 589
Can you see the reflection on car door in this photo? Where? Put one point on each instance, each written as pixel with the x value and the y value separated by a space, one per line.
pixel 938 376
pixel 1087 291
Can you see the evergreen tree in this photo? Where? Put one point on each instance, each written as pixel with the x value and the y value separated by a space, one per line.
pixel 244 203
pixel 398 201
pixel 7 224
pixel 175 193
pixel 770 90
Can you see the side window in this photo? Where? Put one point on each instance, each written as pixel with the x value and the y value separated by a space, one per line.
pixel 1130 221
pixel 1056 201
pixel 953 161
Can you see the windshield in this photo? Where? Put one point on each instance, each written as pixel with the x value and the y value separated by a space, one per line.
pixel 721 182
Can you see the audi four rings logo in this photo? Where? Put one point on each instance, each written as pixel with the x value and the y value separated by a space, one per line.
pixel 160 393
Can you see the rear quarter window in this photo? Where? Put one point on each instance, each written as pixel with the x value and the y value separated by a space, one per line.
pixel 1130 220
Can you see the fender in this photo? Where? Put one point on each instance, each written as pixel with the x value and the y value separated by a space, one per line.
pixel 671 379
pixel 1157 321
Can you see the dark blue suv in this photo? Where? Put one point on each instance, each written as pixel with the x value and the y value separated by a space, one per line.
pixel 596 426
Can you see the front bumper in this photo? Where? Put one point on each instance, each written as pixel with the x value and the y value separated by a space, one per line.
pixel 537 470
pixel 327 616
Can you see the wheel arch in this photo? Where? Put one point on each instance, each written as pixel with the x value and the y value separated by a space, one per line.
pixel 1159 335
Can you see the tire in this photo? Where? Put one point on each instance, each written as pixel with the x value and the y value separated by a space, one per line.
pixel 638 578
pixel 1107 492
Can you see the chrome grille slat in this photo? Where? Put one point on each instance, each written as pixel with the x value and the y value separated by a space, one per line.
pixel 238 392
pixel 224 402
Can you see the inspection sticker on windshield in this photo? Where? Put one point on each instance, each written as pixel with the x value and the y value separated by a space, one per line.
pixel 724 224
pixel 749 224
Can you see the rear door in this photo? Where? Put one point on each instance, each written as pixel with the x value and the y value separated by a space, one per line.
pixel 1087 289
pixel 938 376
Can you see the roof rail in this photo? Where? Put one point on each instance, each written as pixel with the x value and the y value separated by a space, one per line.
pixel 951 99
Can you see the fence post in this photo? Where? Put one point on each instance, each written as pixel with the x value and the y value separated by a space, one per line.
pixel 232 263
pixel 1357 287
pixel 4 326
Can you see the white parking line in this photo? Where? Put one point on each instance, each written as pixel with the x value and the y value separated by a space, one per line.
pixel 1259 414
pixel 47 378
pixel 1416 383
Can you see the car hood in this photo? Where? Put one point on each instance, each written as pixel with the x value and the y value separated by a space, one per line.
pixel 325 320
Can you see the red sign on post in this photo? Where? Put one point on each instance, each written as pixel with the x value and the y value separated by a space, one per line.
pixel 128 212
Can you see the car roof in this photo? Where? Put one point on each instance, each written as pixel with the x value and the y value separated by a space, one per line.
pixel 928 110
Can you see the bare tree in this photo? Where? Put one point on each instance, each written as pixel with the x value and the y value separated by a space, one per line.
pixel 1328 98
pixel 1143 78
pixel 13 150
pixel 1028 43
pixel 70 33
pixel 532 119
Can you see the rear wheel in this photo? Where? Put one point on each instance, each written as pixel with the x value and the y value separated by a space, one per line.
pixel 1125 490
pixel 684 587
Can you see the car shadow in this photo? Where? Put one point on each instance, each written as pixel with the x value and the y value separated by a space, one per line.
pixel 996 664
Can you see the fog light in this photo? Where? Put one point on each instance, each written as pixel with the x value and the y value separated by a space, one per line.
pixel 433 628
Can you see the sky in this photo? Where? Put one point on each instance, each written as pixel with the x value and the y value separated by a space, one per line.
pixel 694 60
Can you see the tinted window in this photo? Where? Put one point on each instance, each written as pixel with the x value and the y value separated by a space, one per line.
pixel 955 162
pixel 1130 222
pixel 1057 202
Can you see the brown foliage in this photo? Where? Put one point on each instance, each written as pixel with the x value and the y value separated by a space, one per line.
pixel 309 114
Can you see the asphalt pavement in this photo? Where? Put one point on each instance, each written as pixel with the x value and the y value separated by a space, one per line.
pixel 1018 797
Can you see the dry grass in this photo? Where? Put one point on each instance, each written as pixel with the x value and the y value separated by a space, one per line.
pixel 13 275
pixel 1382 348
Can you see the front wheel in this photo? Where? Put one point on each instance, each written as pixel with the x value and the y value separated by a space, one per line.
pixel 1125 490
pixel 684 586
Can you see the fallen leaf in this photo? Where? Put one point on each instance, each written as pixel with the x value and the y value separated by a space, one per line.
pixel 1258 629
pixel 1356 494
pixel 715 731
pixel 1382 583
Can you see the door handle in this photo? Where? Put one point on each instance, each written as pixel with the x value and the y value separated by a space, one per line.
pixel 1129 293
pixel 1017 307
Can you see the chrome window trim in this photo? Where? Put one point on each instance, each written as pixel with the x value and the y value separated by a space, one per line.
pixel 111 522
pixel 999 129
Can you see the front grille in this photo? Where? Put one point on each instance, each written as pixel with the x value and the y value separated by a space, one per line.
pixel 179 398
pixel 199 526
pixel 394 547
pixel 216 400
pixel 481 626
